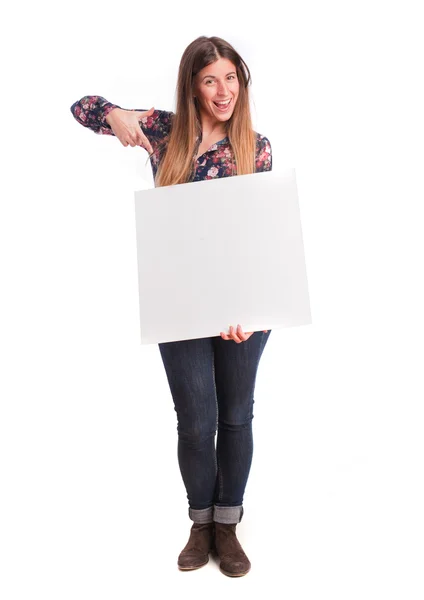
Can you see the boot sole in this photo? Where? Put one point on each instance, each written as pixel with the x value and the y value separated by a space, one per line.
pixel 216 555
pixel 193 568
pixel 234 574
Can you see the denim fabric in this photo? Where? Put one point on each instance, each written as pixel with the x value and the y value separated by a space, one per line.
pixel 228 514
pixel 201 516
pixel 212 383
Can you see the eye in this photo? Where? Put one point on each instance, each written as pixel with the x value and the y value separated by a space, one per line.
pixel 209 81
pixel 233 76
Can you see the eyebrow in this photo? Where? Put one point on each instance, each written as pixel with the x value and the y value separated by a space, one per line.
pixel 213 76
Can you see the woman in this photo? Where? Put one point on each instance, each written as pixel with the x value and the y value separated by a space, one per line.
pixel 212 380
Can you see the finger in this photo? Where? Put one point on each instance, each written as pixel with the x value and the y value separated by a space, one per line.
pixel 234 335
pixel 226 336
pixel 128 140
pixel 240 333
pixel 140 139
pixel 148 146
pixel 136 136
pixel 244 335
pixel 144 143
pixel 145 113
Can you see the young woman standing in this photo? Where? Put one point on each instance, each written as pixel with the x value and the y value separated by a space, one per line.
pixel 212 380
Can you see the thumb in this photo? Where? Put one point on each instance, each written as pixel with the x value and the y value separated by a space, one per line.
pixel 145 113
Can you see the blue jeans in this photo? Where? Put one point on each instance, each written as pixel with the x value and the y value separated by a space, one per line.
pixel 212 383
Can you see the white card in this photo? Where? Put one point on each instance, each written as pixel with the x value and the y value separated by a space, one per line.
pixel 219 252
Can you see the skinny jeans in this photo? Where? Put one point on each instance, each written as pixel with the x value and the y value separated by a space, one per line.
pixel 212 382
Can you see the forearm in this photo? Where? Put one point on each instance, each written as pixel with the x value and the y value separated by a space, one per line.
pixel 92 112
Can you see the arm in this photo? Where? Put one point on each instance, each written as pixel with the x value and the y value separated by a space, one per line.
pixel 263 154
pixel 91 112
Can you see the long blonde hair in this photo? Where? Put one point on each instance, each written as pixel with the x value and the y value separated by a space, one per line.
pixel 177 163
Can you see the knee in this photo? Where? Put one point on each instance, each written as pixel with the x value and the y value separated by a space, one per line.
pixel 196 434
pixel 235 422
pixel 234 416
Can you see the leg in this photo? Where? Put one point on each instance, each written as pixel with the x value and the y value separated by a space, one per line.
pixel 236 368
pixel 190 372
pixel 189 368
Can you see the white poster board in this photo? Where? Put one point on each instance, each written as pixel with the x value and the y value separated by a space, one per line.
pixel 220 252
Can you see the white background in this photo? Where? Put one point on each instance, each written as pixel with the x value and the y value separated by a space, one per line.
pixel 92 502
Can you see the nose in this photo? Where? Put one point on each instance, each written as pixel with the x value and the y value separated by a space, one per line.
pixel 222 88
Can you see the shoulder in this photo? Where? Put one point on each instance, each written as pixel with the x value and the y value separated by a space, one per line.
pixel 262 142
pixel 263 153
pixel 166 117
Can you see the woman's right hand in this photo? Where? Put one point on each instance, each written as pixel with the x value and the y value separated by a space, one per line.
pixel 126 127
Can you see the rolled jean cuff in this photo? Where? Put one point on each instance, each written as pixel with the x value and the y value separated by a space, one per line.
pixel 204 515
pixel 228 514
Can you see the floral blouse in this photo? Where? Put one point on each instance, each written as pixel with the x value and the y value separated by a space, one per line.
pixel 217 161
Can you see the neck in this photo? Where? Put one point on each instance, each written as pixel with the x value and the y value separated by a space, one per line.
pixel 211 126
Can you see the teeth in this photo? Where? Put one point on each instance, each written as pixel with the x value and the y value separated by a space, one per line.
pixel 223 103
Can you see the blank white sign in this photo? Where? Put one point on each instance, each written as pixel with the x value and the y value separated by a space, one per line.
pixel 220 252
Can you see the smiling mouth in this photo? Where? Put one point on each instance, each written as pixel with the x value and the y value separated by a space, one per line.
pixel 223 106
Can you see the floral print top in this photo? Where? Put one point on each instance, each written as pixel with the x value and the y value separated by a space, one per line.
pixel 217 161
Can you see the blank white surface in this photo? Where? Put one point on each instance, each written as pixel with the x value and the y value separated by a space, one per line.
pixel 219 252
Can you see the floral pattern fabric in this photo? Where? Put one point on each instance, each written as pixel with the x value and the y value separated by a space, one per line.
pixel 217 161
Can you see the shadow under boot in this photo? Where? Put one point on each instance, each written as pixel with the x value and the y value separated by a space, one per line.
pixel 195 553
pixel 233 560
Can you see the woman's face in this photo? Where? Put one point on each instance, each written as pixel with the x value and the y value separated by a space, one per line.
pixel 217 89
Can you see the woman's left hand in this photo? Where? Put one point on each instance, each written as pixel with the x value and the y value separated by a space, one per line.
pixel 237 334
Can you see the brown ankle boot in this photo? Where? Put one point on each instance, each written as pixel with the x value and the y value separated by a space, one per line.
pixel 234 561
pixel 195 554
